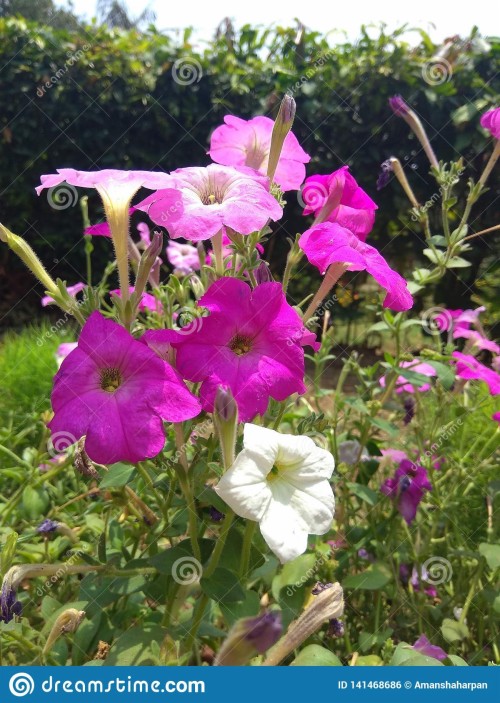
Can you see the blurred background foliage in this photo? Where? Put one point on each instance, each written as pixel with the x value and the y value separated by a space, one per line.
pixel 113 103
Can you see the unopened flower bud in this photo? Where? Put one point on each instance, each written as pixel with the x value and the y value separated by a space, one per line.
pixel 262 273
pixel 282 126
pixel 249 637
pixel 226 422
pixel 398 105
pixel 23 250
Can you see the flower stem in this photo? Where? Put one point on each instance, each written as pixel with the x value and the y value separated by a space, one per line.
pixel 247 546
pixel 333 273
pixel 219 262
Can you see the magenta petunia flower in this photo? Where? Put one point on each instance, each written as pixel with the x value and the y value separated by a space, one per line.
pixel 407 488
pixel 183 257
pixel 403 385
pixel 117 392
pixel 327 243
pixel 496 417
pixel 72 290
pixel 147 301
pixel 102 229
pixel 355 209
pixel 470 368
pixel 476 339
pixel 200 202
pixel 251 342
pixel 491 121
pixel 247 143
pixel 423 646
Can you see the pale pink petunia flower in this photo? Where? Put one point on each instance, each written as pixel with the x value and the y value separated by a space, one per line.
pixel 201 202
pixel 420 367
pixel 247 143
pixel 183 257
pixel 469 368
pixel 72 290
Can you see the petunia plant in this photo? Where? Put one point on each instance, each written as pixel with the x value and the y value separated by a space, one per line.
pixel 185 406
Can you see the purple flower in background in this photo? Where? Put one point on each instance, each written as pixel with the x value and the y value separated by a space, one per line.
pixel 407 488
pixel 409 406
pixel 423 646
pixel 398 105
pixel 335 628
pixel 264 630
pixel 215 514
pixel 413 578
pixel 47 526
pixel 385 174
pixel 9 605
pixel 491 121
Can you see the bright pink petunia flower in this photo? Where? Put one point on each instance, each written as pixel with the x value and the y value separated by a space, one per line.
pixel 477 339
pixel 470 368
pixel 202 201
pixel 403 385
pixel 496 417
pixel 491 121
pixel 183 257
pixel 423 646
pixel 327 243
pixel 247 143
pixel 117 392
pixel 147 302
pixel 251 342
pixel 355 210
pixel 72 290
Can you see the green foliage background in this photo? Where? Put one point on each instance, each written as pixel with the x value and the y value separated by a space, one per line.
pixel 113 103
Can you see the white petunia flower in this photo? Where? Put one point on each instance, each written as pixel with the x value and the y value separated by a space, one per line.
pixel 281 482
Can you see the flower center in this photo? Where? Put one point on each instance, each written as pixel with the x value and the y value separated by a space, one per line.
pixel 273 474
pixel 404 483
pixel 111 380
pixel 240 344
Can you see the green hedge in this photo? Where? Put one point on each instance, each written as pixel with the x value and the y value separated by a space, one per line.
pixel 108 99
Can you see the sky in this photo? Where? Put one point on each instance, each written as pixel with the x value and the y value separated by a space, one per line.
pixel 439 19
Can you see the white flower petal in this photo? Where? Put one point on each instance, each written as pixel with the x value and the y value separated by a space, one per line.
pixel 315 504
pixel 284 534
pixel 262 441
pixel 244 486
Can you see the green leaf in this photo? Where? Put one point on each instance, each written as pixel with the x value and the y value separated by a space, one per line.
pixel 373 579
pixel 295 574
pixel 222 586
pixel 454 631
pixel 445 373
pixel 458 263
pixel 35 502
pixel 363 492
pixel 134 647
pixel 405 655
pixel 181 555
pixel 7 552
pixel 491 552
pixel 314 655
pixel 434 256
pixel 241 609
pixel 117 476
pixel 231 556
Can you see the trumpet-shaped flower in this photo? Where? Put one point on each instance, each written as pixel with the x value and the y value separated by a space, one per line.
pixel 251 342
pixel 407 488
pixel 281 482
pixel 247 143
pixel 117 392
pixel 476 339
pixel 491 121
pixel 355 210
pixel 200 202
pixel 183 257
pixel 327 243
pixel 469 368
pixel 417 366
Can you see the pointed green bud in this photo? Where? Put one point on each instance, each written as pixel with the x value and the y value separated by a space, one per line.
pixel 282 126
pixel 23 250
pixel 226 422
pixel 249 637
